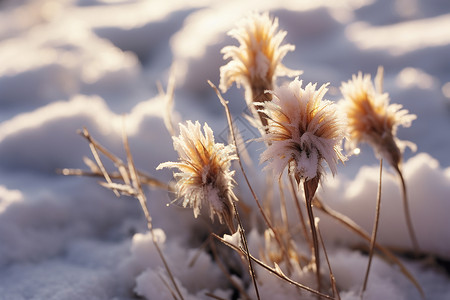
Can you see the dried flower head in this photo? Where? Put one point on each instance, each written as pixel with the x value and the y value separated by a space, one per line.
pixel 373 120
pixel 205 176
pixel 303 131
pixel 257 61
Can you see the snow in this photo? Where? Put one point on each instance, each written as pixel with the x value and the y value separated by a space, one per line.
pixel 69 64
pixel 428 196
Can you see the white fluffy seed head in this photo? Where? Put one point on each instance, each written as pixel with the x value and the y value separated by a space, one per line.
pixel 303 131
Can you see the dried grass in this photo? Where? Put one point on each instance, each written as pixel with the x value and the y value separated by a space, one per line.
pixel 282 235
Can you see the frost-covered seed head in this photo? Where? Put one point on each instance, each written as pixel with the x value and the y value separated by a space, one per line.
pixel 304 130
pixel 204 175
pixel 257 61
pixel 373 120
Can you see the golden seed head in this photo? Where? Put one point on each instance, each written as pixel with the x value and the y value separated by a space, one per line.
pixel 204 175
pixel 372 119
pixel 257 61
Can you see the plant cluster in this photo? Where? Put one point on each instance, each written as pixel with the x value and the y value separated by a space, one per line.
pixel 303 135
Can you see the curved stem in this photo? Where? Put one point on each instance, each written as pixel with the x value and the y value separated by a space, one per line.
pixel 285 224
pixel 241 229
pixel 299 210
pixel 350 224
pixel 233 137
pixel 247 252
pixel 332 278
pixel 143 202
pixel 407 214
pixel 374 231
pixel 276 270
pixel 310 188
pixel 235 284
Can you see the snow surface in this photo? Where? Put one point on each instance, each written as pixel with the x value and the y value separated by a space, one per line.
pixel 65 64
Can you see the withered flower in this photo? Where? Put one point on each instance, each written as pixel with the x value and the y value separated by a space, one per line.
pixel 204 176
pixel 373 120
pixel 304 130
pixel 256 63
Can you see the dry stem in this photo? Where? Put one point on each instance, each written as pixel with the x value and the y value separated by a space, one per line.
pixel 227 111
pixel 224 270
pixel 332 278
pixel 233 138
pixel 132 186
pixel 407 213
pixel 284 218
pixel 259 96
pixel 168 100
pixel 94 151
pixel 144 178
pixel 244 239
pixel 310 188
pixel 349 223
pixel 143 201
pixel 276 271
pixel 299 210
pixel 374 231
pixel 283 208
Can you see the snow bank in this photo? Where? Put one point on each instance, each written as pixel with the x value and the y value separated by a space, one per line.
pixel 71 64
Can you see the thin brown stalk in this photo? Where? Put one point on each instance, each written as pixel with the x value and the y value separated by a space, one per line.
pixel 143 201
pixel 99 162
pixel 409 223
pixel 123 173
pixel 91 165
pixel 131 187
pixel 230 125
pixel 199 251
pixel 310 188
pixel 144 178
pixel 225 271
pixel 230 122
pixel 350 224
pixel 299 210
pixel 283 208
pixel 268 199
pixel 241 228
pixel 332 278
pixel 247 252
pixel 168 287
pixel 168 100
pixel 259 96
pixel 276 270
pixel 124 189
pixel 245 156
pixel 117 161
pixel 374 231
pixel 284 218
pixel 379 79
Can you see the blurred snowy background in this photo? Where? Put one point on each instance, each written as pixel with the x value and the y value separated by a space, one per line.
pixel 65 64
